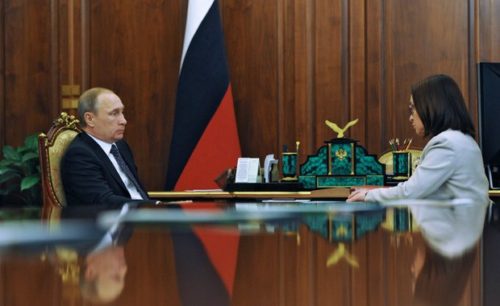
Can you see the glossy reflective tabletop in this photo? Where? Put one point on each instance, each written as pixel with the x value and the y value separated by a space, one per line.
pixel 246 253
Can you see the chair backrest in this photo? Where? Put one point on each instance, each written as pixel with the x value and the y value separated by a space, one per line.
pixel 51 149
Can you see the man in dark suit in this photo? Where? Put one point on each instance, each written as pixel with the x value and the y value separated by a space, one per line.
pixel 98 167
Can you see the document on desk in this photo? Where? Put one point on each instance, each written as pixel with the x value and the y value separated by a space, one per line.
pixel 247 170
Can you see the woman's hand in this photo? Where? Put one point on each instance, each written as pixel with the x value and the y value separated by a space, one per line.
pixel 358 195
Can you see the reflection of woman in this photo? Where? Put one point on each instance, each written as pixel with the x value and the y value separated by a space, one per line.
pixel 450 231
pixel 451 165
pixel 441 281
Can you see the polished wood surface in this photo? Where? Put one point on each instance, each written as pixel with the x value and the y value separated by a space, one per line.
pixel 330 193
pixel 293 64
pixel 272 269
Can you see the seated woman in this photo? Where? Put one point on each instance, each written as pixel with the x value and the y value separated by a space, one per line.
pixel 451 164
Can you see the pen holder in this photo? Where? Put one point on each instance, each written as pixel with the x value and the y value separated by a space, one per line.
pixel 402 220
pixel 289 166
pixel 401 162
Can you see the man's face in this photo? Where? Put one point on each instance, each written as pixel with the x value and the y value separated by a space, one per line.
pixel 108 123
pixel 108 269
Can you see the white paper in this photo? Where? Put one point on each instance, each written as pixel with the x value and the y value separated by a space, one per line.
pixel 268 163
pixel 247 170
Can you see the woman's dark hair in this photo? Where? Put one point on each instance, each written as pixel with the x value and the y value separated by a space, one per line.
pixel 441 106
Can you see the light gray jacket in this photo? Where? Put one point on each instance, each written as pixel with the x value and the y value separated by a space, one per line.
pixel 451 167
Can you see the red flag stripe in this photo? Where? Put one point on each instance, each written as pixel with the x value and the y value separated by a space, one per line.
pixel 217 149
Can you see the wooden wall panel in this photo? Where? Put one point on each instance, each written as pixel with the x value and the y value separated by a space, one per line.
pixel 356 80
pixel 298 81
pixel 375 104
pixel 293 63
pixel 423 38
pixel 135 50
pixel 489 30
pixel 68 32
pixel 251 40
pixel 330 54
pixel 2 75
pixel 27 71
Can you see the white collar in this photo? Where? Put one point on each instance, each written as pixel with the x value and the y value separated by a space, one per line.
pixel 105 146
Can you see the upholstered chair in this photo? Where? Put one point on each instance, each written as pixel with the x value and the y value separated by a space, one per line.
pixel 51 148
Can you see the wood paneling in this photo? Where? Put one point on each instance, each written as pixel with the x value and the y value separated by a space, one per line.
pixel 135 50
pixel 251 40
pixel 2 75
pixel 27 71
pixel 418 47
pixel 488 41
pixel 293 64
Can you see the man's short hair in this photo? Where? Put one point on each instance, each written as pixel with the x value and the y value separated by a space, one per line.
pixel 88 102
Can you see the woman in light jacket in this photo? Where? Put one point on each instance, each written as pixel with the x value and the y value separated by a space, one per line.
pixel 451 164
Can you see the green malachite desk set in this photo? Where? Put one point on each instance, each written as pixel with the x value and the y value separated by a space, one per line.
pixel 341 162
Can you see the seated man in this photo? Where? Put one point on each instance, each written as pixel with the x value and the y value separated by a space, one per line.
pixel 98 167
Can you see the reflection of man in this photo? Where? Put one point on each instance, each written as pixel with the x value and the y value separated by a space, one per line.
pixel 103 276
pixel 98 167
pixel 198 281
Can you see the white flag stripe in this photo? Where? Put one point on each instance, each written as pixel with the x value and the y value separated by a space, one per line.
pixel 197 9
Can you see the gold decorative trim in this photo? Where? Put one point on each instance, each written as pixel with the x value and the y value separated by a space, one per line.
pixel 333 192
pixel 67 120
pixel 69 103
pixel 353 158
pixel 70 90
pixel 329 159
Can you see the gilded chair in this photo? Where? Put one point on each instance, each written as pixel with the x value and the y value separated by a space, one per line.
pixel 51 149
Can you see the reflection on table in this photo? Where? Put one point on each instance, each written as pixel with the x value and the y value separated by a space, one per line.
pixel 249 253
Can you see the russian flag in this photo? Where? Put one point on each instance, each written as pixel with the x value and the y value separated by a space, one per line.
pixel 205 138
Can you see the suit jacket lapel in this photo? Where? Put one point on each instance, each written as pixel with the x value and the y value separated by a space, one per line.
pixel 104 159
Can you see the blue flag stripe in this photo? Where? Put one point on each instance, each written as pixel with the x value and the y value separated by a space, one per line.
pixel 203 81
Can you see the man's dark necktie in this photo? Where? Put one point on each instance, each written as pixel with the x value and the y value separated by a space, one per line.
pixel 126 170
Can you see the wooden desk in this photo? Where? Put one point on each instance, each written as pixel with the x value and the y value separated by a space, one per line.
pixel 330 193
pixel 494 194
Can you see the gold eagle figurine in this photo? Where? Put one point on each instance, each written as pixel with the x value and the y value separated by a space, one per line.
pixel 341 253
pixel 340 131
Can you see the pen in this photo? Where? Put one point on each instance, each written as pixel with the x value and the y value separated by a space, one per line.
pixel 409 144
